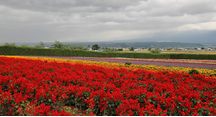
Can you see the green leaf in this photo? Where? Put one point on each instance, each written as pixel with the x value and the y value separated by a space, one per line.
pixel 16 106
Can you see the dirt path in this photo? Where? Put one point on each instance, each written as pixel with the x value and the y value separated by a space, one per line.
pixel 145 62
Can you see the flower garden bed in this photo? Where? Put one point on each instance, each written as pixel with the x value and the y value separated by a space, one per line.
pixel 75 87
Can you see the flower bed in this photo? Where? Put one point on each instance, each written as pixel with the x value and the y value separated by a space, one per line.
pixel 207 72
pixel 172 60
pixel 72 88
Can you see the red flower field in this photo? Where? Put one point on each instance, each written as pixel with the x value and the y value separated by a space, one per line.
pixel 36 87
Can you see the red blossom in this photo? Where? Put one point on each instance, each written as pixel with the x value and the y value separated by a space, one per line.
pixel 125 92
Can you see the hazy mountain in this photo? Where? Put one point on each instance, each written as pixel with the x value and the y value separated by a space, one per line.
pixel 203 37
pixel 140 44
pixel 164 40
pixel 125 44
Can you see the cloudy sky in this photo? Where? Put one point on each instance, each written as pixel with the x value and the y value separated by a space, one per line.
pixel 101 20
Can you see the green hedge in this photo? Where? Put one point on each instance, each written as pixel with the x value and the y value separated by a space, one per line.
pixel 193 56
pixel 14 50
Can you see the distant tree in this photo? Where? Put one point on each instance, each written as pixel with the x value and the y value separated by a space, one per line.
pixel 80 47
pixel 120 49
pixel 10 44
pixel 149 49
pixel 58 44
pixel 68 46
pixel 108 49
pixel 155 51
pixel 132 49
pixel 24 45
pixel 169 49
pixel 40 45
pixel 202 48
pixel 95 47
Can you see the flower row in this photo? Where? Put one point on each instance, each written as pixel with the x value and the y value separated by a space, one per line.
pixel 207 72
pixel 173 60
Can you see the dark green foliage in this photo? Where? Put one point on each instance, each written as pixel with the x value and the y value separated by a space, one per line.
pixel 95 47
pixel 128 63
pixel 9 50
pixel 132 49
pixel 193 56
pixel 58 44
pixel 193 71
pixel 108 50
pixel 40 45
pixel 14 50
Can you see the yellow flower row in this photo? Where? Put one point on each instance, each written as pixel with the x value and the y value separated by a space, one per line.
pixel 122 65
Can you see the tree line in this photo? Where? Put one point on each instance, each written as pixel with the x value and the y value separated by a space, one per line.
pixel 60 45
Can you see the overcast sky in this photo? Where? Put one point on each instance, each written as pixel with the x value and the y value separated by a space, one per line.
pixel 101 20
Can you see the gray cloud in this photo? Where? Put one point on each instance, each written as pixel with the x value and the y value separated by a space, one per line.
pixel 69 5
pixel 97 20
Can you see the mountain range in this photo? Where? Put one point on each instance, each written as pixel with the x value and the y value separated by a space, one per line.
pixel 140 44
pixel 195 36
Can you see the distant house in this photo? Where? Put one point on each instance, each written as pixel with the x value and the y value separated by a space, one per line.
pixel 199 49
pixel 210 49
pixel 180 49
pixel 137 49
pixel 125 49
pixel 161 49
pixel 89 48
pixel 101 49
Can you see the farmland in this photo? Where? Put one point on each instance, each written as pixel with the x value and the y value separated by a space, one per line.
pixel 159 62
pixel 13 50
pixel 80 87
pixel 179 52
